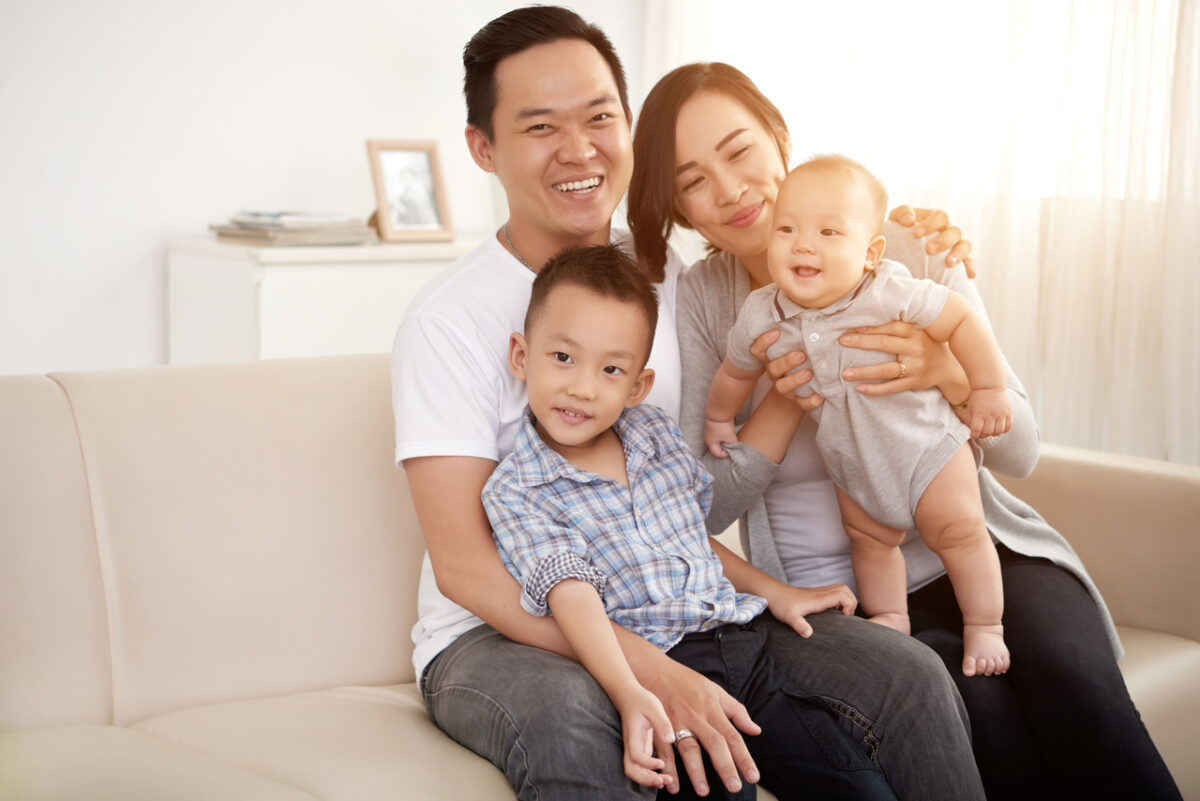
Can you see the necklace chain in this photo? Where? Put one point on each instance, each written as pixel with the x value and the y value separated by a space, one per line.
pixel 514 250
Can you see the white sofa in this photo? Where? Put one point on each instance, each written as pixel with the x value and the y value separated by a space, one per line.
pixel 208 577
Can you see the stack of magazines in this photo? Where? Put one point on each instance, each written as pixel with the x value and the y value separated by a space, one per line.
pixel 293 228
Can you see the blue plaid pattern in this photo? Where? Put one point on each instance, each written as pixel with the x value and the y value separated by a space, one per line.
pixel 644 548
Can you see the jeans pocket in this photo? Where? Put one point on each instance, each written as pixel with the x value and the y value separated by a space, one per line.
pixel 845 744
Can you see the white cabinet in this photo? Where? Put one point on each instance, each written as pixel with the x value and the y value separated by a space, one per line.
pixel 235 302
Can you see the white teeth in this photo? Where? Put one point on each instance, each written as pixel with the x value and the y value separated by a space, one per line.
pixel 578 186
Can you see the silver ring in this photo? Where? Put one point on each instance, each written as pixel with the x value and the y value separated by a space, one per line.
pixel 903 369
pixel 683 734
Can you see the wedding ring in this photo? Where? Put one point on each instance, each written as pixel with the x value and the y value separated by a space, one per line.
pixel 903 369
pixel 683 734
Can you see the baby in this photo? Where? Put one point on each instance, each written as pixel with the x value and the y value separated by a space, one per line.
pixel 898 460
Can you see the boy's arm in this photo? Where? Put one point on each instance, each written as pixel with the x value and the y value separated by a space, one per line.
pixel 788 604
pixel 581 616
pixel 730 387
pixel 976 349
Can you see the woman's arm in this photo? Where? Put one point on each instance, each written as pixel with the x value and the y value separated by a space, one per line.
pixel 705 311
pixel 930 364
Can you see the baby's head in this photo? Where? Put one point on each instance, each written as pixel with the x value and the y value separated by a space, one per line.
pixel 588 333
pixel 828 216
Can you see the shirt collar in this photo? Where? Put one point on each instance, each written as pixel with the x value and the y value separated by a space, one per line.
pixel 785 308
pixel 537 463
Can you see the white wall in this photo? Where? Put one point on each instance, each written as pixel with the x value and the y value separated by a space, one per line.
pixel 125 123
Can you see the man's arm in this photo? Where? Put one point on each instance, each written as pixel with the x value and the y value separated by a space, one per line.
pixel 466 564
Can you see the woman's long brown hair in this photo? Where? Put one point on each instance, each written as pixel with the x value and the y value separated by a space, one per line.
pixel 652 213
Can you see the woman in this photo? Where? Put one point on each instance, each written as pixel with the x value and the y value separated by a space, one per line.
pixel 710 151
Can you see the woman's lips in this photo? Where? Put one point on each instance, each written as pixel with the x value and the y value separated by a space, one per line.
pixel 746 216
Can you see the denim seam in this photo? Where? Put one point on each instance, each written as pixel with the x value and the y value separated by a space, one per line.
pixel 862 722
pixel 517 745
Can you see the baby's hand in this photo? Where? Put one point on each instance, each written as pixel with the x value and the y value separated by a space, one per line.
pixel 790 604
pixel 988 412
pixel 643 720
pixel 716 432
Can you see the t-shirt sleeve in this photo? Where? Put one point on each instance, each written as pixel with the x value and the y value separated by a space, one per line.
pixel 536 549
pixel 446 390
pixel 914 300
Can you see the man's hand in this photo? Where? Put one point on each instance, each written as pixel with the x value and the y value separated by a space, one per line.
pixel 714 717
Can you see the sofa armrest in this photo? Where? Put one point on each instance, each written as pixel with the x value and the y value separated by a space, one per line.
pixel 1134 522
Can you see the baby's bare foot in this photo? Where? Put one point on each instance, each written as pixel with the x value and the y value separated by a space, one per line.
pixel 893 620
pixel 984 651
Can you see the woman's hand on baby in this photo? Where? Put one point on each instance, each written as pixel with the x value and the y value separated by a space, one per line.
pixel 647 730
pixel 949 237
pixel 989 413
pixel 927 363
pixel 790 604
pixel 785 371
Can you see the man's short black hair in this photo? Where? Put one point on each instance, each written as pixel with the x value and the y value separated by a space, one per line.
pixel 514 32
pixel 606 270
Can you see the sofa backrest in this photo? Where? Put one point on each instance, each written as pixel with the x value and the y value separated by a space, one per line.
pixel 54 655
pixel 251 531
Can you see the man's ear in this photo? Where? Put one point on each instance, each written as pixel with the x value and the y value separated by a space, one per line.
pixel 875 251
pixel 481 148
pixel 640 388
pixel 518 350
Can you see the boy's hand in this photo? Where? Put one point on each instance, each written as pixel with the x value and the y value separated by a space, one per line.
pixel 717 432
pixel 646 727
pixel 790 604
pixel 988 412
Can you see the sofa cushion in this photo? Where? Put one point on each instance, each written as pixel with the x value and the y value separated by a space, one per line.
pixel 109 763
pixel 1162 672
pixel 256 535
pixel 346 744
pixel 54 631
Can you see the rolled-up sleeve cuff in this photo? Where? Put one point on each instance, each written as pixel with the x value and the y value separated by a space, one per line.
pixel 551 571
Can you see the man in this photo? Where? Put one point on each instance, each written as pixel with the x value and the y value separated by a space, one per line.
pixel 548 113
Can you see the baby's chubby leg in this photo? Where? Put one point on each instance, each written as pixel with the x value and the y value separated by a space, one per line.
pixel 878 565
pixel 950 519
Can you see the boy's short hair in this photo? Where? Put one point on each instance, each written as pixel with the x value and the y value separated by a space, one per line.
pixel 514 32
pixel 606 270
pixel 874 187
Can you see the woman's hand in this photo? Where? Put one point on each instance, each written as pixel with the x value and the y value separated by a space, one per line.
pixel 786 372
pixel 925 221
pixel 790 604
pixel 926 363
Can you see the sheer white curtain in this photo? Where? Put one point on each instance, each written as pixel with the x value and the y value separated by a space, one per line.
pixel 1063 138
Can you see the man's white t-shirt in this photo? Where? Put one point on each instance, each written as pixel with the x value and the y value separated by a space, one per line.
pixel 453 394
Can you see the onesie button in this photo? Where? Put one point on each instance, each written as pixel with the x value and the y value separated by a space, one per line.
pixel 814 336
pixel 821 364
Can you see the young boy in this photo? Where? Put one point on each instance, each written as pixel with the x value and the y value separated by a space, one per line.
pixel 599 513
pixel 897 460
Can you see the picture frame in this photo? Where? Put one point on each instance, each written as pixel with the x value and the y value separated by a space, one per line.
pixel 410 198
